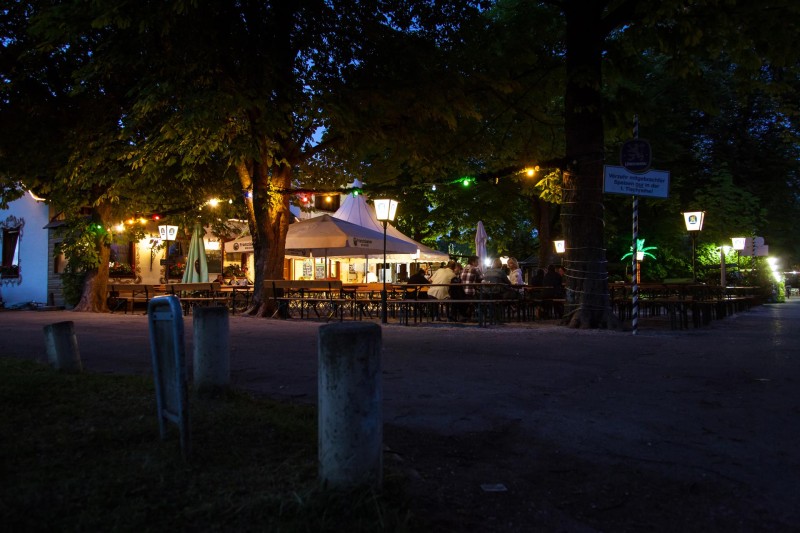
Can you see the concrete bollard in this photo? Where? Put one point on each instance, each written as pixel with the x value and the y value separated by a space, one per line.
pixel 61 346
pixel 212 364
pixel 350 417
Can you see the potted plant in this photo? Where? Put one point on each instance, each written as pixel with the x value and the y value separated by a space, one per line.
pixel 120 270
pixel 176 270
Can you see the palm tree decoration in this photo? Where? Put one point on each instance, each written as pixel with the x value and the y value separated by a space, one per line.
pixel 640 247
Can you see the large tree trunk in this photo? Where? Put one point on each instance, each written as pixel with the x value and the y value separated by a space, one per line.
pixel 268 218
pixel 587 302
pixel 544 224
pixel 95 287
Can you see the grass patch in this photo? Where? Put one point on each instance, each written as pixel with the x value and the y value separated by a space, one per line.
pixel 82 452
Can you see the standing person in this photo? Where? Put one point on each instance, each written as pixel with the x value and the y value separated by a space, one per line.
pixel 471 275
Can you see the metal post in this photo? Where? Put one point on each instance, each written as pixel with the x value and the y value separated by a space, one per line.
pixel 694 244
pixel 634 248
pixel 722 273
pixel 383 267
pixel 635 269
pixel 166 263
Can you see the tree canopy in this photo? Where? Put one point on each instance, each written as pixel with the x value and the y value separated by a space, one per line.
pixel 150 106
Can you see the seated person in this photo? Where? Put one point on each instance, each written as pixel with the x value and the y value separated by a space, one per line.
pixel 419 278
pixel 495 274
pixel 552 283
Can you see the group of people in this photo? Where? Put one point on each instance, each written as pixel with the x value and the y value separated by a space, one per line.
pixel 456 282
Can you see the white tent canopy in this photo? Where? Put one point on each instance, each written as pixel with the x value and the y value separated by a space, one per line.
pixel 334 237
pixel 356 210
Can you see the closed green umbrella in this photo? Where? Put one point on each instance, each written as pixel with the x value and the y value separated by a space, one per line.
pixel 196 262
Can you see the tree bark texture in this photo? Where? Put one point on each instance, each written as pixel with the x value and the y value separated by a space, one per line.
pixel 268 218
pixel 95 287
pixel 587 301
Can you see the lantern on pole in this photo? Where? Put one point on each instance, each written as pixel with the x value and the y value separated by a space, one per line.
pixel 385 211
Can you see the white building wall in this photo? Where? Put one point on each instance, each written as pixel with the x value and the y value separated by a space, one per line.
pixel 32 285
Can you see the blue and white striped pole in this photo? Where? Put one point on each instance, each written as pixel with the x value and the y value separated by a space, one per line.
pixel 634 248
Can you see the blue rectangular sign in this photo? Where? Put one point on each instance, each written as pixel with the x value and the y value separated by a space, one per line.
pixel 619 180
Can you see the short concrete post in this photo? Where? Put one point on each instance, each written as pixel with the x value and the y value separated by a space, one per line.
pixel 61 346
pixel 350 428
pixel 212 365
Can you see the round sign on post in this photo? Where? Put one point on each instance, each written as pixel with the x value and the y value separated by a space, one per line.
pixel 635 155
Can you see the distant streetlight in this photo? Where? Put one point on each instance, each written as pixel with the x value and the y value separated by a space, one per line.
pixel 694 225
pixel 385 211
pixel 738 245
pixel 723 252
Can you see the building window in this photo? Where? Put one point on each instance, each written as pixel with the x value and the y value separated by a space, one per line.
pixel 59 261
pixel 9 247
pixel 121 261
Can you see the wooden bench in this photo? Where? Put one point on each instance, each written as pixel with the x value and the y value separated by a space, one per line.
pixel 305 296
pixel 365 298
pixel 127 295
pixel 483 304
pixel 193 294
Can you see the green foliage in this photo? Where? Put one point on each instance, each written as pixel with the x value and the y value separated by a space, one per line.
pixel 158 109
pixel 81 241
pixel 81 245
pixel 551 187
pixel 72 282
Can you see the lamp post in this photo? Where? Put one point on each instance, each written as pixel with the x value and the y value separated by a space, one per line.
pixel 385 210
pixel 694 225
pixel 738 245
pixel 639 261
pixel 723 277
pixel 167 233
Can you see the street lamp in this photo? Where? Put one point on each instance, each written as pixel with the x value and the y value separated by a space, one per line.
pixel 738 245
pixel 723 278
pixel 694 225
pixel 560 246
pixel 385 210
pixel 167 233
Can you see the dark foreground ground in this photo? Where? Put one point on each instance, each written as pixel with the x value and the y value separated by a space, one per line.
pixel 540 428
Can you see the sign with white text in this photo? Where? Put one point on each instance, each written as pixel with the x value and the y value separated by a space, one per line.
pixel 619 180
